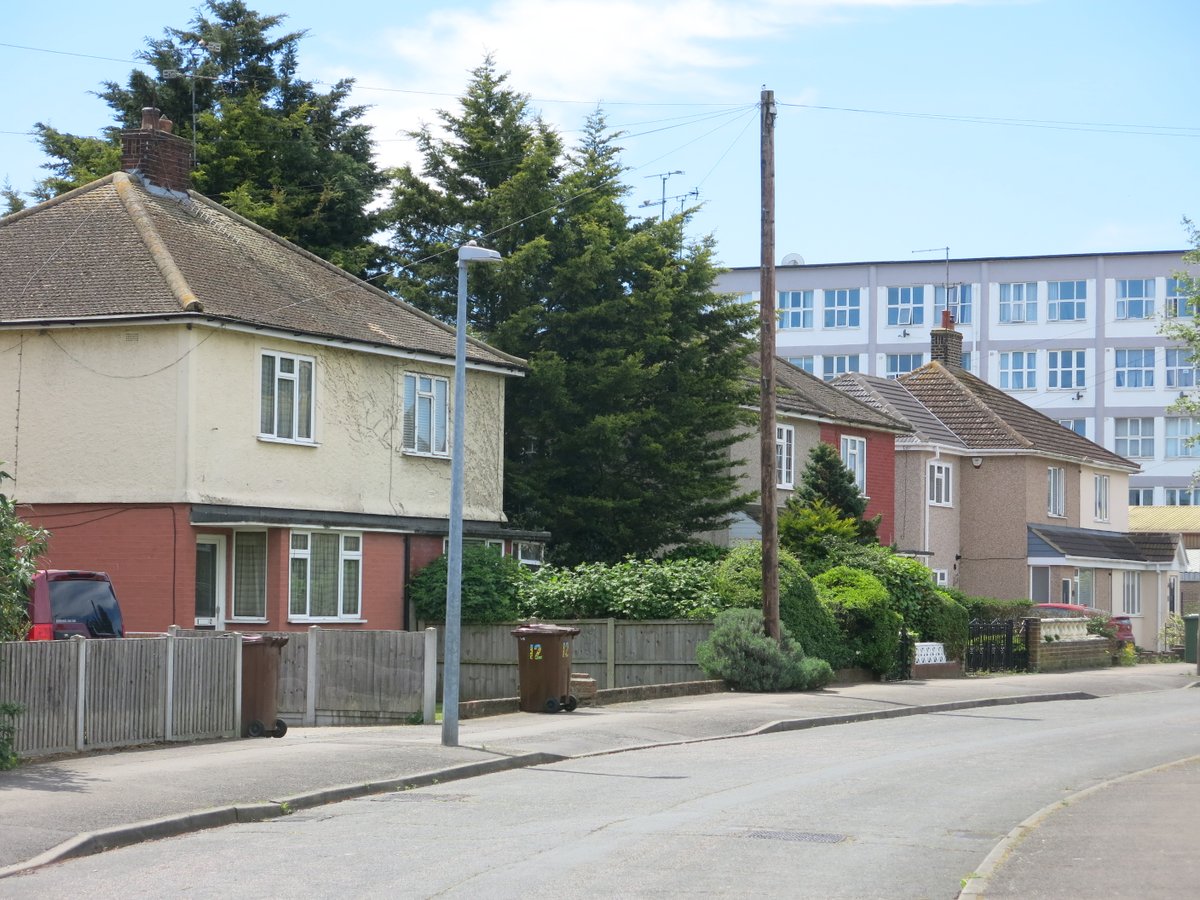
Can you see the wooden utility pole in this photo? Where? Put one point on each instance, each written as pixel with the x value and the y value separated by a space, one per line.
pixel 770 528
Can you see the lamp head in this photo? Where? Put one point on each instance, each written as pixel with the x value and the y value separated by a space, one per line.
pixel 472 252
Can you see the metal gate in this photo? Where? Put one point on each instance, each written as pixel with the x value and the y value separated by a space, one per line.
pixel 998 646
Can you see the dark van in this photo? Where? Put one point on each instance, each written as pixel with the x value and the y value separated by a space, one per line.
pixel 64 603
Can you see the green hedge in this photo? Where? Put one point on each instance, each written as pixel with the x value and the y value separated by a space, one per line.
pixel 869 627
pixel 633 589
pixel 489 588
pixel 989 609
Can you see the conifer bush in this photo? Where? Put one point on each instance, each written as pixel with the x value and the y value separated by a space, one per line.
pixel 740 652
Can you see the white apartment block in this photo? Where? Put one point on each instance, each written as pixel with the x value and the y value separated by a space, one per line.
pixel 1076 337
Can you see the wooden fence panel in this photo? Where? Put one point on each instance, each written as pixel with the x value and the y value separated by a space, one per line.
pixel 293 678
pixel 125 687
pixel 43 677
pixel 658 652
pixel 369 675
pixel 202 688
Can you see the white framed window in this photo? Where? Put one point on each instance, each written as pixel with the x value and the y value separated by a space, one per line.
pixel 833 366
pixel 426 415
pixel 902 363
pixel 1135 298
pixel 1018 370
pixel 1056 491
pixel 490 543
pixel 795 309
pixel 1066 369
pixel 802 362
pixel 854 458
pixel 1135 437
pixel 531 553
pixel 1067 301
pixel 1018 302
pixel 1131 593
pixel 250 576
pixel 940 484
pixel 1182 496
pixel 941 578
pixel 285 409
pixel 1100 484
pixel 1182 433
pixel 1179 302
pixel 1079 426
pixel 1141 496
pixel 1181 371
pixel 785 456
pixel 1135 368
pixel 1085 587
pixel 968 361
pixel 959 303
pixel 906 305
pixel 842 308
pixel 325 575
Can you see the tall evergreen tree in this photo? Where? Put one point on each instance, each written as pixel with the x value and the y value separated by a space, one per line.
pixel 268 145
pixel 491 177
pixel 826 479
pixel 616 441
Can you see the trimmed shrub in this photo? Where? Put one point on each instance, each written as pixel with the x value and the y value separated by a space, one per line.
pixel 945 620
pixel 489 587
pixel 738 579
pixel 928 613
pixel 989 609
pixel 633 589
pixel 739 652
pixel 859 602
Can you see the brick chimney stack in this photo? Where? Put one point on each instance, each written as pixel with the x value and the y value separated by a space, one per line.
pixel 162 158
pixel 946 343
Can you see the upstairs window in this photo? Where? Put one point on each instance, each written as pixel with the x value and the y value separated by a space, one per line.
pixel 906 305
pixel 902 363
pixel 1056 491
pixel 842 308
pixel 1018 302
pixel 1181 372
pixel 1179 302
pixel 833 366
pixel 795 309
pixel 957 300
pixel 426 415
pixel 1135 437
pixel 1182 496
pixel 1079 426
pixel 1066 369
pixel 785 456
pixel 1018 370
pixel 1141 496
pixel 854 458
pixel 286 398
pixel 802 362
pixel 1101 490
pixel 939 484
pixel 1135 298
pixel 1181 437
pixel 1135 368
pixel 1067 301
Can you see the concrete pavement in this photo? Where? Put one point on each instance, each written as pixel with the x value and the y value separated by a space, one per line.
pixel 68 807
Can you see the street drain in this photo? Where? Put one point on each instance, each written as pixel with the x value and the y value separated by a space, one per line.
pixel 808 837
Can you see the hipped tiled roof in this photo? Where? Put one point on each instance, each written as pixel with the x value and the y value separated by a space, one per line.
pixel 893 398
pixel 115 248
pixel 985 418
pixel 801 394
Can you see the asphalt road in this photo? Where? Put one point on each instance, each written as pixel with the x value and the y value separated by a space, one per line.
pixel 896 808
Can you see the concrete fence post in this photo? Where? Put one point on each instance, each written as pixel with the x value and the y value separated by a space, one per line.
pixel 237 684
pixel 310 689
pixel 429 685
pixel 610 654
pixel 169 700
pixel 81 691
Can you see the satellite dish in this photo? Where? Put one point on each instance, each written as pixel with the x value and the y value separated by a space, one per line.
pixel 793 259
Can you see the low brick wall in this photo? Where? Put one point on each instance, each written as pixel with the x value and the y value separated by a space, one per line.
pixel 474 709
pixel 1059 656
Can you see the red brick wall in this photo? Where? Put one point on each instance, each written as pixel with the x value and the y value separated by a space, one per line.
pixel 881 473
pixel 149 551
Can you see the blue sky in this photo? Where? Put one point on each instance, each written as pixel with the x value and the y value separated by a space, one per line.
pixel 1008 127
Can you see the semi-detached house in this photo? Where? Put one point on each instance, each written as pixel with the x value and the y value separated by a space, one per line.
pixel 240 433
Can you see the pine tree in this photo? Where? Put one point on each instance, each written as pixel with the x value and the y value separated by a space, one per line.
pixel 268 145
pixel 826 478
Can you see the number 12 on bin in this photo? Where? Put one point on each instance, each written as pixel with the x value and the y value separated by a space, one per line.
pixel 535 651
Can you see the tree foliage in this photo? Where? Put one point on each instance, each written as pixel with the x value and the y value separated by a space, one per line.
pixel 616 440
pixel 268 144
pixel 826 478
pixel 21 545
pixel 740 652
pixel 490 583
pixel 1185 328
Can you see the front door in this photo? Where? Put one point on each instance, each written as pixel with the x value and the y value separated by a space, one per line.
pixel 210 582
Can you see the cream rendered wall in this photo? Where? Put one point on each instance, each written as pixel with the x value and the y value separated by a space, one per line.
pixel 169 414
pixel 98 417
pixel 357 463
pixel 1118 507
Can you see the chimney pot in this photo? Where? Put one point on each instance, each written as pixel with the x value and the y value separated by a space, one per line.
pixel 947 319
pixel 149 118
pixel 165 125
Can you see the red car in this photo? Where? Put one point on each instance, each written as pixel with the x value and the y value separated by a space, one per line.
pixel 64 603
pixel 1121 624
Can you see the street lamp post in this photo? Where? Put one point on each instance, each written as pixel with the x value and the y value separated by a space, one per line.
pixel 467 253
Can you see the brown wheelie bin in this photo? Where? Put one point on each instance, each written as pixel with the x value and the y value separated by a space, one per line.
pixel 544 667
pixel 260 685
